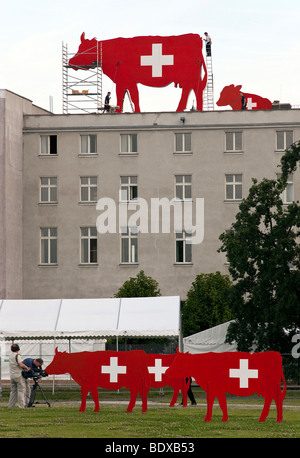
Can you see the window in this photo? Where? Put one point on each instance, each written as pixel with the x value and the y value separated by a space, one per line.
pixel 284 139
pixel 129 245
pixel 48 245
pixel 233 141
pixel 234 187
pixel 88 237
pixel 48 144
pixel 88 189
pixel 183 185
pixel 287 196
pixel 183 142
pixel 183 247
pixel 129 189
pixel 88 144
pixel 48 190
pixel 128 143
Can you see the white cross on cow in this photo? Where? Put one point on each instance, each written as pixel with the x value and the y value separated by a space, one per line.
pixel 157 60
pixel 158 370
pixel 243 373
pixel 251 104
pixel 113 370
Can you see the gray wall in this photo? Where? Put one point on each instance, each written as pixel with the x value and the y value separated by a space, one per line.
pixel 155 165
pixel 12 109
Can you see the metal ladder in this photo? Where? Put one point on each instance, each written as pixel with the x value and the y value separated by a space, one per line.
pixel 129 98
pixel 208 99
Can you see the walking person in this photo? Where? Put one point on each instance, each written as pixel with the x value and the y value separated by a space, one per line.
pixel 190 392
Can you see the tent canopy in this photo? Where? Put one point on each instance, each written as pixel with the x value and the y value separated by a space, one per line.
pixel 90 318
pixel 212 339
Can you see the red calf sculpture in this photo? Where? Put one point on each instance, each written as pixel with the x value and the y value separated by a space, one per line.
pixel 231 95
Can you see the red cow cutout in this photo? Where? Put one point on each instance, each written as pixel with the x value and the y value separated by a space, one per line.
pixel 151 60
pixel 157 366
pixel 107 369
pixel 231 95
pixel 237 373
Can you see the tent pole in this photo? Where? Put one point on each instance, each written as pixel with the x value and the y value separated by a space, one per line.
pixel 70 351
pixel 53 379
pixel 180 338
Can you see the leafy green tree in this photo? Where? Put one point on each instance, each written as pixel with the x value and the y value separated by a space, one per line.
pixel 139 286
pixel 263 251
pixel 207 303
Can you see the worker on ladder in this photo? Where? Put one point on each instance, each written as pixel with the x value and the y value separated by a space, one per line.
pixel 208 44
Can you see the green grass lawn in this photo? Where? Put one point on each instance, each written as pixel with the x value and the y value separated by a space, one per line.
pixel 63 420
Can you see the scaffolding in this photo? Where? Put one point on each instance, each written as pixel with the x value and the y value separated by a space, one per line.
pixel 82 88
pixel 208 96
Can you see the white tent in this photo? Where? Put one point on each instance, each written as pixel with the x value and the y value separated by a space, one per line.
pixel 45 349
pixel 62 321
pixel 90 318
pixel 212 339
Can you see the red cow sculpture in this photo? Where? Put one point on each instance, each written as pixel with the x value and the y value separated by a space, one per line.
pixel 107 369
pixel 157 366
pixel 151 60
pixel 231 95
pixel 237 373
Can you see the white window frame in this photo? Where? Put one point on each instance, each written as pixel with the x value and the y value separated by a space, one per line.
pixel 48 246
pixel 49 187
pixel 183 189
pixel 88 138
pixel 128 143
pixel 128 188
pixel 234 183
pixel 285 139
pixel 129 235
pixel 183 243
pixel 86 241
pixel 90 187
pixel 183 142
pixel 234 134
pixel 46 145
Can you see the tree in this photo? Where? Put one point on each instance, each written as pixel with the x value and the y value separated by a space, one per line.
pixel 263 251
pixel 139 286
pixel 207 303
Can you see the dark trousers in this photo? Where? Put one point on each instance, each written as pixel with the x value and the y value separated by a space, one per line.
pixel 190 392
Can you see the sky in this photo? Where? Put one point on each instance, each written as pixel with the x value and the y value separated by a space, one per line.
pixel 255 43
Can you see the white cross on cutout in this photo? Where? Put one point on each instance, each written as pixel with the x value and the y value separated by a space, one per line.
pixel 157 60
pixel 251 105
pixel 243 373
pixel 158 370
pixel 113 370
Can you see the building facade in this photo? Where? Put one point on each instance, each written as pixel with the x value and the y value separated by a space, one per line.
pixel 12 109
pixel 105 196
